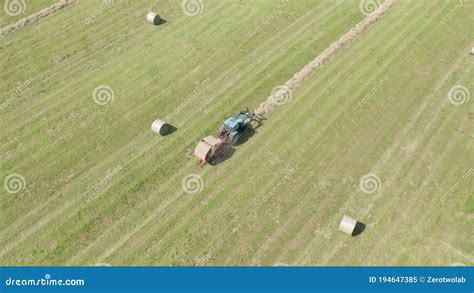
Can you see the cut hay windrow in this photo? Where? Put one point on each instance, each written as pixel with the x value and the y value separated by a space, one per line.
pixel 275 98
pixel 35 17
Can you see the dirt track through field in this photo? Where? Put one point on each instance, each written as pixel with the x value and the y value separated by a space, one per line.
pixel 282 94
pixel 35 17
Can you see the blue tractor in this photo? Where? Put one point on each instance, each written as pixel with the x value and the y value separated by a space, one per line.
pixel 211 149
pixel 234 127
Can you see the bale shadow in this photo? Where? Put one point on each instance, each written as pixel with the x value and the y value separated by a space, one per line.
pixel 162 22
pixel 358 229
pixel 170 130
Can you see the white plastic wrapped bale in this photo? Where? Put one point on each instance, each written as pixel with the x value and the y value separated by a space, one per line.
pixel 153 18
pixel 347 225
pixel 472 51
pixel 160 127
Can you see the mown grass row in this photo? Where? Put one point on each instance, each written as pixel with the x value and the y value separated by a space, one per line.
pixel 81 158
pixel 13 11
pixel 143 217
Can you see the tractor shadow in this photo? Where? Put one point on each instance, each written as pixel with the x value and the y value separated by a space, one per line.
pixel 229 152
pixel 251 132
pixel 246 136
pixel 358 229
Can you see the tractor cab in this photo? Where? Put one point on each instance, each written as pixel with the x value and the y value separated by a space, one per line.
pixel 234 127
pixel 233 124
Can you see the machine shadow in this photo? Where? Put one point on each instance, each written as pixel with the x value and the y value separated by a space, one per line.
pixel 358 229
pixel 229 152
pixel 246 136
pixel 251 132
pixel 171 129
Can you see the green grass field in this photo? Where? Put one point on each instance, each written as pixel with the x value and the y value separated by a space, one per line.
pixel 14 10
pixel 101 188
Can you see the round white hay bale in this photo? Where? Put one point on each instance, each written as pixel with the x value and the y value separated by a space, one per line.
pixel 472 51
pixel 160 127
pixel 347 225
pixel 153 18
